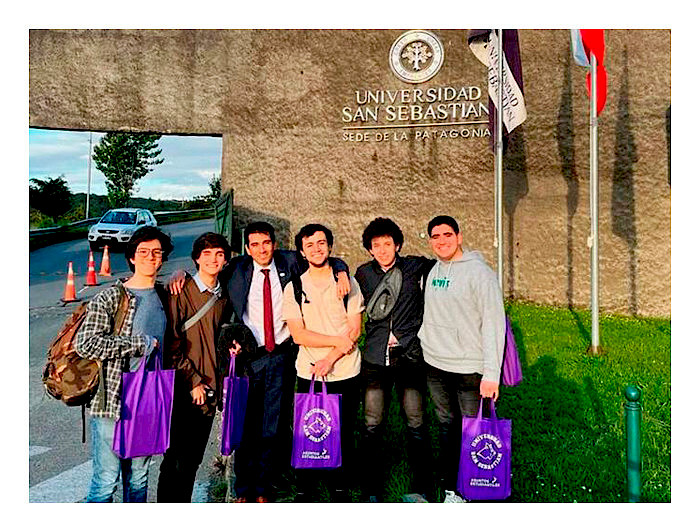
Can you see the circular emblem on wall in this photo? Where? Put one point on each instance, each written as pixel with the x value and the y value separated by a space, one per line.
pixel 416 56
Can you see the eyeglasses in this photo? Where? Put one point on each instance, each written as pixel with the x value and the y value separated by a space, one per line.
pixel 145 252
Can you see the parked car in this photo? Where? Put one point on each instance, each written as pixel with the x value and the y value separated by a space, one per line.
pixel 117 226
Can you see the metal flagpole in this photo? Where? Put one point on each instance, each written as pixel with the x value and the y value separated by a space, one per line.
pixel 593 241
pixel 87 201
pixel 499 162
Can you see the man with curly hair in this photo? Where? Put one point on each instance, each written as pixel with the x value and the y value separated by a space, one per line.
pixel 392 358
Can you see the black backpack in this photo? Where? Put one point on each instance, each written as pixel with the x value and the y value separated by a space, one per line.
pixel 300 295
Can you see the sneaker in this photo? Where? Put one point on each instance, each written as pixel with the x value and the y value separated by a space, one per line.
pixel 451 496
pixel 413 497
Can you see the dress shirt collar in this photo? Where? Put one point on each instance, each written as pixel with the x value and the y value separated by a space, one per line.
pixel 204 288
pixel 257 268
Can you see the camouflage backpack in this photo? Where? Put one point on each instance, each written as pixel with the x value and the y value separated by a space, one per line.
pixel 67 376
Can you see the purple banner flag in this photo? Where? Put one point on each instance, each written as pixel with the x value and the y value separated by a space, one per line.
pixel 484 45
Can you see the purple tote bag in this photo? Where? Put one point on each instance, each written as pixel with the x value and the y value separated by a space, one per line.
pixel 512 372
pixel 484 462
pixel 316 439
pixel 235 399
pixel 147 406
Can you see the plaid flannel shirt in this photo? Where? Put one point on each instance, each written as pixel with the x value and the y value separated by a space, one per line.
pixel 97 341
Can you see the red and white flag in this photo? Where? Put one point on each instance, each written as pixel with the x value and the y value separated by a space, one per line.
pixel 583 44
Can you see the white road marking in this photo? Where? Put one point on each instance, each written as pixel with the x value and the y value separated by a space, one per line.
pixel 69 486
pixel 72 485
pixel 36 449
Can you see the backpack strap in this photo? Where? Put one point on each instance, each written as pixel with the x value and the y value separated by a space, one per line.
pixel 119 320
pixel 122 309
pixel 82 408
pixel 345 298
pixel 299 292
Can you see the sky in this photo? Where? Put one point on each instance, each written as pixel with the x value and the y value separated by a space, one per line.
pixel 189 165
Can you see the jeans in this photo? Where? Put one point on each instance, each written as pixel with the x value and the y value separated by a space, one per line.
pixel 107 467
pixel 410 382
pixel 455 395
pixel 265 448
pixel 189 435
pixel 410 388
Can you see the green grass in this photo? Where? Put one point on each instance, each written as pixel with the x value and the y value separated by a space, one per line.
pixel 569 441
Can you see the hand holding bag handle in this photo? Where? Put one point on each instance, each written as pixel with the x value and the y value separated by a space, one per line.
pixel 493 418
pixel 312 386
pixel 484 463
pixel 143 428
pixel 316 436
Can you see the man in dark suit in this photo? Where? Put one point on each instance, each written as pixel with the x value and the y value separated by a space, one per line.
pixel 264 272
pixel 254 284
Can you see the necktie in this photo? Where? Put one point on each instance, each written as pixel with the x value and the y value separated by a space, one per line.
pixel 267 312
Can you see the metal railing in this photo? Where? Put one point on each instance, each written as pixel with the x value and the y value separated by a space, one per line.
pixel 161 216
pixel 50 230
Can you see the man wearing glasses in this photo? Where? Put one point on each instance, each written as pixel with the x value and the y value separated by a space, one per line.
pixel 140 334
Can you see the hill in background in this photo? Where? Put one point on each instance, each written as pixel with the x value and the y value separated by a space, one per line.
pixel 99 205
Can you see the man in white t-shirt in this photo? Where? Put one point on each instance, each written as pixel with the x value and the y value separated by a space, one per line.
pixel 326 329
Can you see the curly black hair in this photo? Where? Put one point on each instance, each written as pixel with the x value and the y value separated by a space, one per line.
pixel 382 227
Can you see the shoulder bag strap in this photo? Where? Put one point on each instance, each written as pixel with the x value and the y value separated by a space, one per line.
pixel 201 312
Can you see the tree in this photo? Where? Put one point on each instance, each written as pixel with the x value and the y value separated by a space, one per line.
pixel 207 200
pixel 124 158
pixel 215 187
pixel 51 196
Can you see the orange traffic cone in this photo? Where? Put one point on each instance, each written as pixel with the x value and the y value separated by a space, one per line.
pixel 69 293
pixel 91 278
pixel 105 269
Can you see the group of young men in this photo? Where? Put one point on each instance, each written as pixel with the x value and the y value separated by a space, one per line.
pixel 436 325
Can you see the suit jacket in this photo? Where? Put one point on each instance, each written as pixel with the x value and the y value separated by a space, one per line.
pixel 237 276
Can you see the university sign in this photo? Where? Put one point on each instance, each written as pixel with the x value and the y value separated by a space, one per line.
pixel 432 112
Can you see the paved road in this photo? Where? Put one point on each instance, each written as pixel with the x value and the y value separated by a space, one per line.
pixel 59 463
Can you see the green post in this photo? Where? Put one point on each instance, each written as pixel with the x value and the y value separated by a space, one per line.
pixel 633 420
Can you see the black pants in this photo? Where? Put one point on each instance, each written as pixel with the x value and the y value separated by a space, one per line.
pixel 189 434
pixel 454 395
pixel 409 379
pixel 265 449
pixel 342 478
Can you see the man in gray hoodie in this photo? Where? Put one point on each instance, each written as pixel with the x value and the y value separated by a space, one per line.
pixel 462 336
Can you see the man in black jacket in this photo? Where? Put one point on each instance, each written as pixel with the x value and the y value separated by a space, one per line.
pixel 392 288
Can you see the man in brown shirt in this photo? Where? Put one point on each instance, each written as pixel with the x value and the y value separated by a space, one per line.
pixel 191 349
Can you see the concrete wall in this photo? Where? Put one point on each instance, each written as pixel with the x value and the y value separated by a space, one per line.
pixel 277 98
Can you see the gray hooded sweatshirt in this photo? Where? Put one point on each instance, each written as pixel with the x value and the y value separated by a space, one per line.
pixel 463 327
